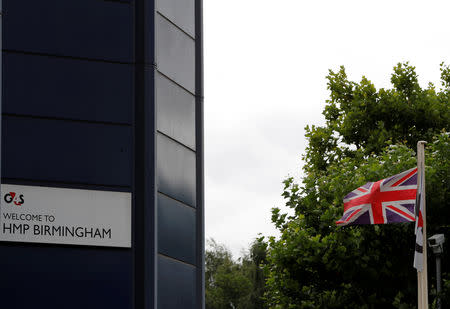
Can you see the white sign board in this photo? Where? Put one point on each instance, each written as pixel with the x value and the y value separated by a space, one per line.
pixel 65 216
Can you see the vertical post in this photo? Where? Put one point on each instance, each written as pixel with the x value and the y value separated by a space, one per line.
pixel 419 291
pixel 422 276
pixel 438 280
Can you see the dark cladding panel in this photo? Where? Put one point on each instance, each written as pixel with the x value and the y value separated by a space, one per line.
pixel 65 277
pixel 176 170
pixel 176 229
pixel 176 284
pixel 54 150
pixel 175 111
pixel 83 109
pixel 179 156
pixel 180 12
pixel 78 28
pixel 175 53
pixel 67 88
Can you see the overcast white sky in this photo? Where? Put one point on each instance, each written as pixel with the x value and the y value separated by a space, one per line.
pixel 265 68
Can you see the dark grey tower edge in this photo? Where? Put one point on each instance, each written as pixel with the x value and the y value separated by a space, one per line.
pixel 200 153
pixel 170 251
pixel 169 213
pixel 144 216
pixel 179 144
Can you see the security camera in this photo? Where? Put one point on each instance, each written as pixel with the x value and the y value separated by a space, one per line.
pixel 436 243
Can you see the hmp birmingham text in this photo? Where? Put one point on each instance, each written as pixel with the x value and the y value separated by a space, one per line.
pixel 61 230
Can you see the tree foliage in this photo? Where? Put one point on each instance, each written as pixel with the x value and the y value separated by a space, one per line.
pixel 369 135
pixel 235 284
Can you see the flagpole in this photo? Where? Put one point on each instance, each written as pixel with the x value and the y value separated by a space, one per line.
pixel 422 276
pixel 419 291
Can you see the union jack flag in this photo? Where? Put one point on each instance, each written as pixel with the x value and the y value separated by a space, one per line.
pixel 389 200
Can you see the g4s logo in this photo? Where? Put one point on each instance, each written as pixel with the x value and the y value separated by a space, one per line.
pixel 12 197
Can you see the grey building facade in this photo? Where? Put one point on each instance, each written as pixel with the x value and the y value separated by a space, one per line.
pixel 107 95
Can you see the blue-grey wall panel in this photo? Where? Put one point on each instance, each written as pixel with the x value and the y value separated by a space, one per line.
pixel 176 285
pixel 67 151
pixel 65 277
pixel 175 170
pixel 175 111
pixel 78 28
pixel 180 12
pixel 176 229
pixel 67 88
pixel 175 53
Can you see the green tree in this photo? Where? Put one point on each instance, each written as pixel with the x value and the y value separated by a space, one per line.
pixel 235 284
pixel 253 263
pixel 369 134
